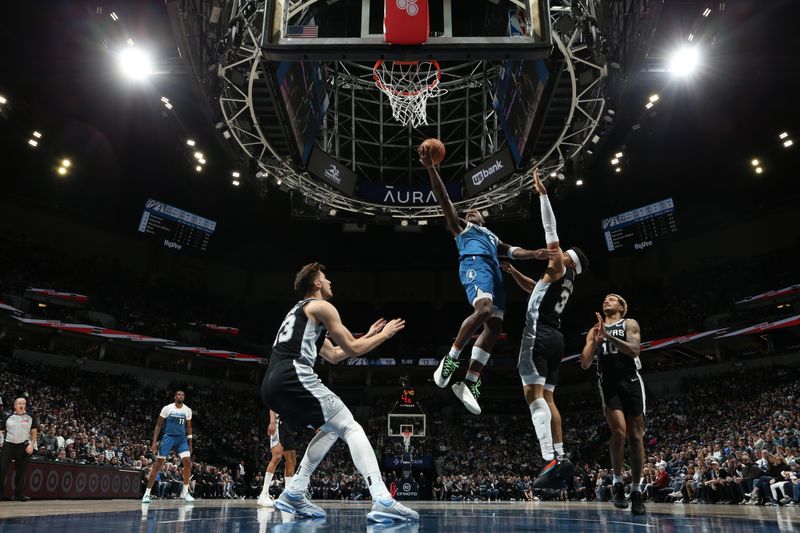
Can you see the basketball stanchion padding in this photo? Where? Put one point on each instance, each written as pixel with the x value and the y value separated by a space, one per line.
pixel 406 22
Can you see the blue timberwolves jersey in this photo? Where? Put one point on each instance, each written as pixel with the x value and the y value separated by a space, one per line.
pixel 477 240
pixel 176 418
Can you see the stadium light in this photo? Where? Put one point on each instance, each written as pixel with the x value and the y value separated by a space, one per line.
pixel 278 182
pixel 707 12
pixel 130 42
pixel 579 183
pixel 759 170
pixel 618 170
pixel 135 64
pixel 235 174
pixel 782 136
pixel 33 142
pixel 198 168
pixel 66 163
pixel 684 61
pixel 787 143
pixel 37 134
pixel 618 155
pixel 404 222
pixel 485 213
pixel 754 162
pixel 332 212
pixel 423 222
pixel 202 161
pixel 615 161
pixel 235 183
pixel 113 16
pixel 3 99
pixel 648 105
pixel 62 171
pixel 653 98
pixel 190 142
pixel 198 155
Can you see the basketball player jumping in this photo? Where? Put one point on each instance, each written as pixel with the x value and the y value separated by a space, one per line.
pixel 478 250
pixel 542 345
pixel 177 421
pixel 281 444
pixel 292 389
pixel 615 343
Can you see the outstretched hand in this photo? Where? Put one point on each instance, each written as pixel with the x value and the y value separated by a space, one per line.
pixel 537 183
pixel 376 328
pixel 600 326
pixel 425 156
pixel 393 326
pixel 506 267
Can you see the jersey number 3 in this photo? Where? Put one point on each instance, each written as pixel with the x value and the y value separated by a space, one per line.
pixel 562 300
pixel 285 333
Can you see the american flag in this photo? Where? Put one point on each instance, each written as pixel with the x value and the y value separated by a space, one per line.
pixel 302 31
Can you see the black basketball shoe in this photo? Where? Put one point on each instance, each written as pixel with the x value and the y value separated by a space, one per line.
pixel 554 473
pixel 637 505
pixel 618 496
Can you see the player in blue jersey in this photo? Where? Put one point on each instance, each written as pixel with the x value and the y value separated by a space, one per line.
pixel 478 251
pixel 176 419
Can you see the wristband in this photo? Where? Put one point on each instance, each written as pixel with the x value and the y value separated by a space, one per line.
pixel 188 437
pixel 511 251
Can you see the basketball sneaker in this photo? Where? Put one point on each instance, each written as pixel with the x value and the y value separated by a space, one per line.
pixel 188 497
pixel 468 393
pixel 618 496
pixel 554 473
pixel 386 511
pixel 146 498
pixel 265 501
pixel 298 504
pixel 637 503
pixel 441 376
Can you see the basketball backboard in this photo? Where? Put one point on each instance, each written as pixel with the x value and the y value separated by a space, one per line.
pixel 354 30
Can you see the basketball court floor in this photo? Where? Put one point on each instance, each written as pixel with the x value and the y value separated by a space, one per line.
pixel 119 516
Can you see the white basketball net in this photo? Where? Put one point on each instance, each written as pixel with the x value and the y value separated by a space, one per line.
pixel 409 84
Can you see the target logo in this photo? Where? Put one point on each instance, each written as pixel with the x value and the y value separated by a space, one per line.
pixel 409 6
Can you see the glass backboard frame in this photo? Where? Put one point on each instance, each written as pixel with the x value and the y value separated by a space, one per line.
pixel 276 45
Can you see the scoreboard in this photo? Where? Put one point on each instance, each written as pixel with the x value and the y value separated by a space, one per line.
pixel 640 228
pixel 175 228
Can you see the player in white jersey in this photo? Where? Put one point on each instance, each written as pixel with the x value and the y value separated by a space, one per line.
pixel 292 389
pixel 176 418
pixel 281 445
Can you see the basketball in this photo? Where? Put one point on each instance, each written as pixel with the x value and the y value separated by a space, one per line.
pixel 435 149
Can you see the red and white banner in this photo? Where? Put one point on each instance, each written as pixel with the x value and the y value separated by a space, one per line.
pixel 56 297
pixel 788 291
pixel 765 326
pixel 223 354
pixel 96 331
pixel 216 328
pixel 8 309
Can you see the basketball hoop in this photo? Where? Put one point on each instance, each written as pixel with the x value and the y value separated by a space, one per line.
pixel 409 84
pixel 407 438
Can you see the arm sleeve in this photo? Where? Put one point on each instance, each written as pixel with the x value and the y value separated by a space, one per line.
pixel 164 412
pixel 548 220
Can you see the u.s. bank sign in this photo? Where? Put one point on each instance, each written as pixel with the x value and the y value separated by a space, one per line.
pixel 498 167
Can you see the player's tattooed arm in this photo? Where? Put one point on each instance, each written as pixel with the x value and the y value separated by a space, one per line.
pixel 633 346
pixel 454 223
pixel 525 283
pixel 515 252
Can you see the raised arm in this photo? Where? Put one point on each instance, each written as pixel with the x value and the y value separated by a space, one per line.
pixel 525 283
pixel 515 252
pixel 593 339
pixel 328 316
pixel 555 265
pixel 454 223
pixel 334 354
pixel 633 346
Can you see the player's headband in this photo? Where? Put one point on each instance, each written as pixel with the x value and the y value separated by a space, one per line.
pixel 577 261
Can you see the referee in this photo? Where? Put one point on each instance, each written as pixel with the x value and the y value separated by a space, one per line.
pixel 20 435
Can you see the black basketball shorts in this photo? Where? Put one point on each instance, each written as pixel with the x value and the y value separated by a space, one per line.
pixel 623 393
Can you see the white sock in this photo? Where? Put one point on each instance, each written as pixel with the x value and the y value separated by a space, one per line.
pixel 364 458
pixel 559 447
pixel 267 482
pixel 541 416
pixel 315 453
pixel 472 377
pixel 147 492
pixel 185 491
pixel 287 480
pixel 455 353
pixel 617 479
